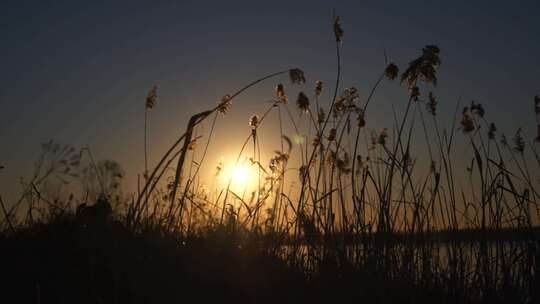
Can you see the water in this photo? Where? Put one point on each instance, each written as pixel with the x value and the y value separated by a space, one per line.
pixel 498 264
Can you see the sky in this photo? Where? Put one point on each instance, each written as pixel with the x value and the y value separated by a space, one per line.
pixel 78 72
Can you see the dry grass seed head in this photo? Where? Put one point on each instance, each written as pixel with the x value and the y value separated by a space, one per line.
pixel 338 31
pixel 342 163
pixel 254 121
pixel 423 68
pixel 321 116
pixel 332 134
pixel 477 109
pixel 361 119
pixel 382 137
pixel 302 102
pixel 432 104
pixel 318 88
pixel 316 140
pixel 280 94
pixel 391 71
pixel 151 97
pixel 467 123
pixel 415 93
pixel 519 142
pixel 225 104
pixel 492 130
pixel 504 141
pixel 297 76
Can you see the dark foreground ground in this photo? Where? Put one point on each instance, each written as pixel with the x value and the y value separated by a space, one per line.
pixel 64 261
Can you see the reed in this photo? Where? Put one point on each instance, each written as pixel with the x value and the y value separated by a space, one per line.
pixel 398 205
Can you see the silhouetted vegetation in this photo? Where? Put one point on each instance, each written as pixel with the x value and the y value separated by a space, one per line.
pixel 359 218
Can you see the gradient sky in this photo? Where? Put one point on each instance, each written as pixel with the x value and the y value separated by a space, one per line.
pixel 79 72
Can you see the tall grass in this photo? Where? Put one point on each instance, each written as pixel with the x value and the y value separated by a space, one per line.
pixel 363 204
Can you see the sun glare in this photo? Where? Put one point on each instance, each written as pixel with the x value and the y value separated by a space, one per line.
pixel 240 175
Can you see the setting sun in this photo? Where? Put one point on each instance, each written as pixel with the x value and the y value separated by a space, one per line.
pixel 240 175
